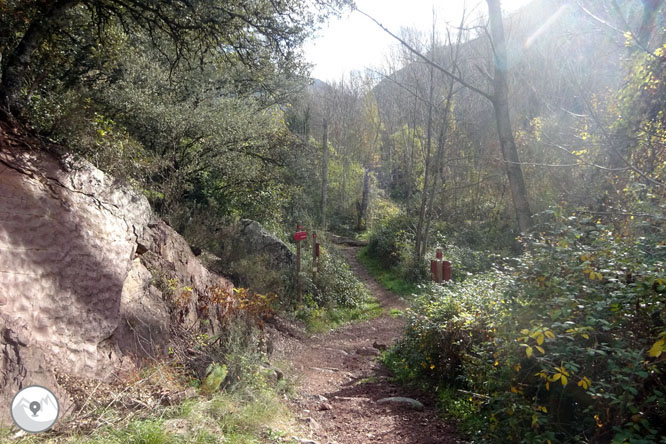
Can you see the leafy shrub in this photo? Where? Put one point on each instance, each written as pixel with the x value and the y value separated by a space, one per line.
pixel 445 323
pixel 336 284
pixel 390 240
pixel 212 382
pixel 567 346
pixel 466 261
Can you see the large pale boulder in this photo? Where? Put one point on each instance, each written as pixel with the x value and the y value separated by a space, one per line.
pixel 81 262
pixel 253 239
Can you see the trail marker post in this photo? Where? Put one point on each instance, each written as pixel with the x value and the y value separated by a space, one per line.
pixel 298 237
pixel 315 254
pixel 440 269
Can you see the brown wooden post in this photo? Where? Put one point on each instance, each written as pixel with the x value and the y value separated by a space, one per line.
pixel 298 264
pixel 315 259
pixel 439 266
pixel 446 270
pixel 298 270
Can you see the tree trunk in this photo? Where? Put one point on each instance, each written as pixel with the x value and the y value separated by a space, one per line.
pixel 438 169
pixel 18 61
pixel 324 176
pixel 650 9
pixel 501 107
pixel 363 207
pixel 426 175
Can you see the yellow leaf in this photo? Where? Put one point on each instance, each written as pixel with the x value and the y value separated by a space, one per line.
pixel 528 351
pixel 557 376
pixel 598 421
pixel 540 349
pixel 586 336
pixel 550 334
pixel 547 385
pixel 657 348
pixel 524 331
pixel 540 339
pixel 563 380
pixel 496 363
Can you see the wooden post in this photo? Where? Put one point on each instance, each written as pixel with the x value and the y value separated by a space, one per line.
pixel 315 259
pixel 446 270
pixel 298 266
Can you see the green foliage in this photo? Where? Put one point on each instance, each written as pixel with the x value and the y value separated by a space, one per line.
pixel 216 374
pixel 390 241
pixel 389 278
pixel 465 260
pixel 442 327
pixel 335 296
pixel 335 283
pixel 565 346
pixel 323 319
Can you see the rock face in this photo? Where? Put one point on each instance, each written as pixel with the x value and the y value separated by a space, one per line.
pixel 88 276
pixel 252 238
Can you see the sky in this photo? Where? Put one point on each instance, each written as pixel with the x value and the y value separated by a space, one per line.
pixel 353 42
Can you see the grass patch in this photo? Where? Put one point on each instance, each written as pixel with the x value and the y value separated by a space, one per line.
pixel 463 409
pixel 368 380
pixel 322 319
pixel 388 278
pixel 250 414
pixel 395 313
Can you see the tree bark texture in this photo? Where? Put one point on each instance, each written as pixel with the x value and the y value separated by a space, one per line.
pixel 502 116
pixel 365 199
pixel 324 175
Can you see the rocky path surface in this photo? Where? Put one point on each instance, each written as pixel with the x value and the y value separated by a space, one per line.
pixel 341 380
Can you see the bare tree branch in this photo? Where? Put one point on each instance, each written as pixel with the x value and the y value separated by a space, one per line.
pixel 428 61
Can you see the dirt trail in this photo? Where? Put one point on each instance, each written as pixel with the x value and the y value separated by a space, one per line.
pixel 341 380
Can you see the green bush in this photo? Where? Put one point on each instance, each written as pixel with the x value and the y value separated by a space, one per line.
pixel 390 240
pixel 445 323
pixel 567 346
pixel 336 284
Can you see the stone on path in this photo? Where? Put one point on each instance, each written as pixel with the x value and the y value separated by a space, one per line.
pixel 367 351
pixel 409 402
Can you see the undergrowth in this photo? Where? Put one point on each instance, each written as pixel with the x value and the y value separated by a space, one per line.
pixel 253 411
pixel 564 344
pixel 322 319
pixel 386 276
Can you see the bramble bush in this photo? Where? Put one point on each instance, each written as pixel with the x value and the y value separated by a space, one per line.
pixel 565 344
pixel 390 240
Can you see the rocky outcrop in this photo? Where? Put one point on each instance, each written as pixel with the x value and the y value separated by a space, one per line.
pixel 90 281
pixel 253 238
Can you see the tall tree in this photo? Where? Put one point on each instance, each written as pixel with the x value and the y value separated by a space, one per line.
pixel 499 100
pixel 324 174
